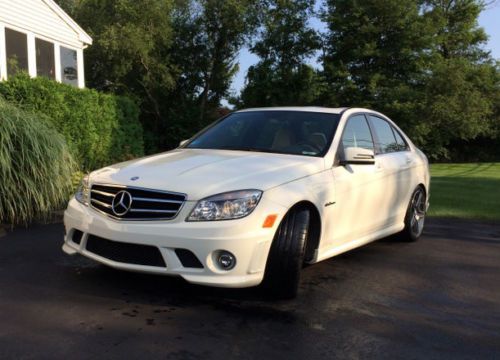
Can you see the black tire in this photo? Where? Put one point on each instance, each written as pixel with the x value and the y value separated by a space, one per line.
pixel 286 255
pixel 415 216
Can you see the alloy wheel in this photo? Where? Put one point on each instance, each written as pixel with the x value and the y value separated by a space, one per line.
pixel 417 212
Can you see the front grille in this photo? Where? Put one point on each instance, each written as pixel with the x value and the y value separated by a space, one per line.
pixel 125 252
pixel 146 204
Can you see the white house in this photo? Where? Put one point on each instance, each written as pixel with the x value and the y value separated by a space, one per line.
pixel 37 36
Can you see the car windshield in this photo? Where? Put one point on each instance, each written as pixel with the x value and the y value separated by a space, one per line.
pixel 284 132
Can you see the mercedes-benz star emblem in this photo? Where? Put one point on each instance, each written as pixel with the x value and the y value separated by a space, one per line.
pixel 122 202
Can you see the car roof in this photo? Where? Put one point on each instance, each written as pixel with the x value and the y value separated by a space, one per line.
pixel 299 108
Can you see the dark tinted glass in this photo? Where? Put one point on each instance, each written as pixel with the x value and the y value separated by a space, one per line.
pixel 69 68
pixel 402 145
pixel 16 45
pixel 357 133
pixel 45 63
pixel 386 140
pixel 287 132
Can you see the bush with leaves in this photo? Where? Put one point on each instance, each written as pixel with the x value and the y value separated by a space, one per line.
pixel 36 166
pixel 99 128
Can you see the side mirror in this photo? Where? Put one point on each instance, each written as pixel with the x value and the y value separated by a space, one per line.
pixel 358 156
pixel 183 142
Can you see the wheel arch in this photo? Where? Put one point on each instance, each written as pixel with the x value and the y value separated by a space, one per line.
pixel 422 185
pixel 314 230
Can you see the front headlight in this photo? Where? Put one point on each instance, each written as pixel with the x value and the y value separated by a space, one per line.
pixel 82 194
pixel 226 206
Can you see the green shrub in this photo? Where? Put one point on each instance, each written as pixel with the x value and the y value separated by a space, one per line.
pixel 36 166
pixel 99 128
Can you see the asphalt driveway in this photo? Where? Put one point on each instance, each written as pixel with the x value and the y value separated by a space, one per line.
pixel 437 298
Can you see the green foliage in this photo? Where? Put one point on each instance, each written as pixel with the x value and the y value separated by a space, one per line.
pixel 374 52
pixel 455 27
pixel 131 42
pixel 36 166
pixel 176 57
pixel 457 106
pixel 284 43
pixel 421 63
pixel 131 53
pixel 99 128
pixel 465 191
pixel 222 28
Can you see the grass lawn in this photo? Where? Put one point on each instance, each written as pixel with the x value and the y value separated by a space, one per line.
pixel 466 191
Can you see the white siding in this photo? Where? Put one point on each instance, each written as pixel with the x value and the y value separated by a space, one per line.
pixel 35 16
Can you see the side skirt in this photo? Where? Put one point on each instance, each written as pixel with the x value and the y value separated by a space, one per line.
pixel 337 250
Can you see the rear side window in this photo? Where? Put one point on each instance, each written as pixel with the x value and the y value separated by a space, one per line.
pixel 402 144
pixel 385 141
pixel 357 133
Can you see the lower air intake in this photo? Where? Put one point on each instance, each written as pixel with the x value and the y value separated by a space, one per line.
pixel 125 252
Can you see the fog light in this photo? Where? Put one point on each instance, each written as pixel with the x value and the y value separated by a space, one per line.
pixel 226 260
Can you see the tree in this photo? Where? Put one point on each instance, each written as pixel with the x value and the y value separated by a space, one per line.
pixel 462 82
pixel 374 52
pixel 69 6
pixel 457 30
pixel 176 58
pixel 224 25
pixel 206 39
pixel 421 62
pixel 284 43
pixel 130 54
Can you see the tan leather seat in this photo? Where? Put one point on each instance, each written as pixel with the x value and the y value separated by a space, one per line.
pixel 319 139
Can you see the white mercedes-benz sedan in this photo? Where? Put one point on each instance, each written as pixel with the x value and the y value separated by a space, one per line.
pixel 253 197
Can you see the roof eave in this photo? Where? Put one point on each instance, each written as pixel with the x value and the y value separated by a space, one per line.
pixel 82 35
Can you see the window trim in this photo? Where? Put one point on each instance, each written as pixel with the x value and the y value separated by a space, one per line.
pixel 31 43
pixel 340 146
pixel 391 126
pixel 4 52
pixel 58 49
pixel 396 131
pixel 37 38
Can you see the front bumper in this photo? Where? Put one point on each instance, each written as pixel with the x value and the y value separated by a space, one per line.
pixel 245 238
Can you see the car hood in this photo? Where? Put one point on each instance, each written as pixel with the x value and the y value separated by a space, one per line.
pixel 200 173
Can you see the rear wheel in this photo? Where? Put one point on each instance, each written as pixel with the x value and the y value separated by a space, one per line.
pixel 415 216
pixel 286 256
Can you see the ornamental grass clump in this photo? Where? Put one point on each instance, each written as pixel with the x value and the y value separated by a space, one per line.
pixel 36 167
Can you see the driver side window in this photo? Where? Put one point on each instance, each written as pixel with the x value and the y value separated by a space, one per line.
pixel 357 133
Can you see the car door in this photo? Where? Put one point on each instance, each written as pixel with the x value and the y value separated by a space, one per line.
pixel 396 164
pixel 357 187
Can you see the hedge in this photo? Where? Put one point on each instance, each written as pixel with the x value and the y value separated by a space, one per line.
pixel 36 166
pixel 99 128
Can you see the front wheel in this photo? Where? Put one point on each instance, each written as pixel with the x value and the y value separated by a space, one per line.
pixel 286 256
pixel 415 216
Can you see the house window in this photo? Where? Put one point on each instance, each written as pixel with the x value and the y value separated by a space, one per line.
pixel 45 62
pixel 69 66
pixel 16 46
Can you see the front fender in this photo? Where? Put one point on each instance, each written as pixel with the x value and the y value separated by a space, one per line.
pixel 317 189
